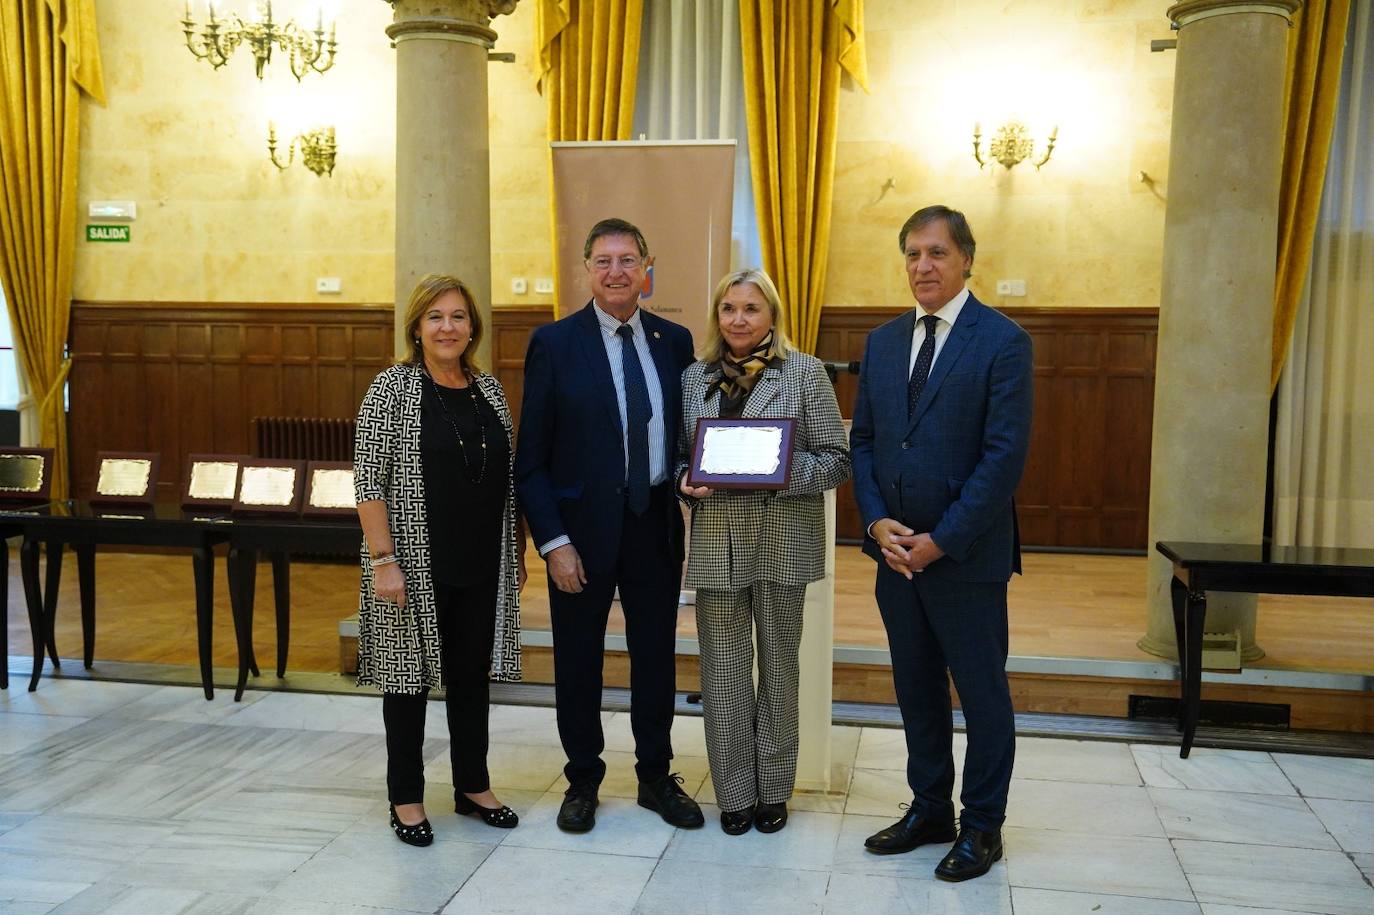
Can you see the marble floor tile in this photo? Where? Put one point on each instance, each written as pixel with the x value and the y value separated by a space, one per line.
pixel 1116 865
pixel 1351 823
pixel 78 698
pixel 116 740
pixel 1213 909
pixel 1255 819
pixel 186 703
pixel 1284 878
pixel 10 821
pixel 20 894
pixel 881 895
pixel 114 898
pixel 877 792
pixel 1113 810
pixel 245 747
pixel 1365 862
pixel 526 725
pixel 1087 761
pixel 322 803
pixel 1029 901
pixel 525 768
pixel 361 714
pixel 844 745
pixel 86 847
pixel 1330 776
pixel 221 857
pixel 688 737
pixel 31 784
pixel 154 792
pixel 852 858
pixel 306 907
pixel 621 781
pixel 699 888
pixel 806 843
pixel 1242 771
pixel 565 883
pixel 622 828
pixel 395 876
pixel 22 732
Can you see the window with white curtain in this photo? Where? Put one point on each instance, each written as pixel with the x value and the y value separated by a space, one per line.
pixel 691 87
pixel 1324 436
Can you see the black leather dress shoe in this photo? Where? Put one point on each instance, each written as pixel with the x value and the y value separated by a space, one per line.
pixel 770 817
pixel 913 830
pixel 737 823
pixel 578 813
pixel 665 797
pixel 972 855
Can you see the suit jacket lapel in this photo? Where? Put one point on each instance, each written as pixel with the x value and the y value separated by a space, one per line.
pixel 765 389
pixel 598 364
pixel 898 350
pixel 959 336
pixel 669 377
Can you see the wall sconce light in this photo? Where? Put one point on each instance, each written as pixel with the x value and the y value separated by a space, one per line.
pixel 1011 144
pixel 224 32
pixel 317 149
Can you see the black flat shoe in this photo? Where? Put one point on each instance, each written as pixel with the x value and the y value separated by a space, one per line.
pixel 770 817
pixel 737 823
pixel 973 855
pixel 578 812
pixel 913 830
pixel 502 818
pixel 665 797
pixel 418 835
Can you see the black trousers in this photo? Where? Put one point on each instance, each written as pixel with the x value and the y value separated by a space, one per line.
pixel 936 625
pixel 649 575
pixel 467 625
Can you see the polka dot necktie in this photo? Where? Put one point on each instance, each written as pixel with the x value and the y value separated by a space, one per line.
pixel 921 370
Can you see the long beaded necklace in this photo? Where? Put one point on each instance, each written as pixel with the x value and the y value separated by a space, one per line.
pixel 481 428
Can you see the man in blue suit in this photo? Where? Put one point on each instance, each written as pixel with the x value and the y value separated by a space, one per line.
pixel 598 437
pixel 941 427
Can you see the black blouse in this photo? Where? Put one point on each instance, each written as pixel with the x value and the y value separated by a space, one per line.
pixel 464 516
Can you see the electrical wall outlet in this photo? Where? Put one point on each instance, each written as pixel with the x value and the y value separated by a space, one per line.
pixel 544 285
pixel 519 286
pixel 330 285
pixel 1011 287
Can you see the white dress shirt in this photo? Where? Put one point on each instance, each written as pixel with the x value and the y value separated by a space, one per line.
pixel 948 314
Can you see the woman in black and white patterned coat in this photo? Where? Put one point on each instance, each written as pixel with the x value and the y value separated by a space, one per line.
pixel 753 552
pixel 443 551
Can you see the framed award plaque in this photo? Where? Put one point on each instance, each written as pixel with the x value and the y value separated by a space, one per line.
pixel 742 453
pixel 270 487
pixel 329 490
pixel 211 480
pixel 25 474
pixel 125 477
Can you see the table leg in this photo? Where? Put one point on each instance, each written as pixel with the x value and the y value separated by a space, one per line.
pixel 85 574
pixel 243 568
pixel 54 552
pixel 203 561
pixel 1195 616
pixel 281 593
pixel 4 613
pixel 33 599
pixel 1178 592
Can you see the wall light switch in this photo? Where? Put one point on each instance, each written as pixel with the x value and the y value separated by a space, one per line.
pixel 544 285
pixel 1011 287
pixel 519 286
pixel 330 285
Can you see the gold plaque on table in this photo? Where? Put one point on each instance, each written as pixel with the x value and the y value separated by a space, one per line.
pixel 126 477
pixel 268 487
pixel 213 480
pixel 21 474
pixel 123 477
pixel 329 489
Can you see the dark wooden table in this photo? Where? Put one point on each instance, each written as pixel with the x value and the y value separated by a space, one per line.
pixel 277 537
pixel 84 526
pixel 1249 569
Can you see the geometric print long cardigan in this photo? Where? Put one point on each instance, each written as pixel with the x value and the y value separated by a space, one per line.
pixel 398 646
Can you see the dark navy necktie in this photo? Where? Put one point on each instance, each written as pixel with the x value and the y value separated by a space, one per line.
pixel 637 413
pixel 921 370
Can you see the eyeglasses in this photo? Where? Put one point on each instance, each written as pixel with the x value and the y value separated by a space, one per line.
pixel 627 262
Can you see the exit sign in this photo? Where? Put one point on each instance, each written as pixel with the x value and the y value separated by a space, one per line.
pixel 107 233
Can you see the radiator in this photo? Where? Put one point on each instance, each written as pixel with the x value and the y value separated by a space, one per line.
pixel 303 438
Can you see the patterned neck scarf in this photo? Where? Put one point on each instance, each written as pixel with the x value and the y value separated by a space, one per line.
pixel 737 376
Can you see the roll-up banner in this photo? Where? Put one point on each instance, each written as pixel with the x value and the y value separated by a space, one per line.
pixel 678 193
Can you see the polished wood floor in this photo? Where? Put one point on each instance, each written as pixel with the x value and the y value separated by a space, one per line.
pixel 1064 606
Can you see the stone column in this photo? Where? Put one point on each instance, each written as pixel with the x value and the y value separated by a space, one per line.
pixel 443 183
pixel 1211 417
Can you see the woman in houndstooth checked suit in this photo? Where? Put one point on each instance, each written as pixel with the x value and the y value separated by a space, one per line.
pixel 752 553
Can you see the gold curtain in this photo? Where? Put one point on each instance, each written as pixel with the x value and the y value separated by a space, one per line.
pixel 793 56
pixel 1315 48
pixel 49 54
pixel 588 65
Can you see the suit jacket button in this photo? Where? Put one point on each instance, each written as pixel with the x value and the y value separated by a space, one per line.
pixel 906 446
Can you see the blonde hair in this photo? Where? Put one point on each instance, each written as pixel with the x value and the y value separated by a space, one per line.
pixel 713 347
pixel 421 298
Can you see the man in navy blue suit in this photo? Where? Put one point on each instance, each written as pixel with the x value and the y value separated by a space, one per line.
pixel 941 427
pixel 598 437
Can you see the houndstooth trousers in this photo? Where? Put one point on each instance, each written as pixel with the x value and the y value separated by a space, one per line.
pixel 751 737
